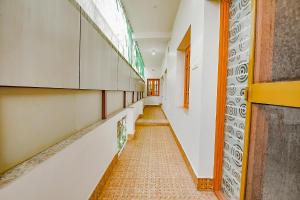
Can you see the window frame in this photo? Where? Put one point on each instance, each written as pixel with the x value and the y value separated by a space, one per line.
pixel 151 89
pixel 185 48
pixel 187 63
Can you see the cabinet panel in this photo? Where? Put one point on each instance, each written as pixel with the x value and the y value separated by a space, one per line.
pixel 140 85
pixel 132 80
pixel 92 55
pixel 98 60
pixel 109 73
pixel 123 75
pixel 39 43
pixel 136 83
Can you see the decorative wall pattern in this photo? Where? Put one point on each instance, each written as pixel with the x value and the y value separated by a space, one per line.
pixel 237 80
pixel 121 133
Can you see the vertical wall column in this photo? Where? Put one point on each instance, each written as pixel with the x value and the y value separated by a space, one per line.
pixel 133 97
pixel 104 104
pixel 124 99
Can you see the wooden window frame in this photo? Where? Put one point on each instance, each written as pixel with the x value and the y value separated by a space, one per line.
pixel 185 47
pixel 187 60
pixel 151 91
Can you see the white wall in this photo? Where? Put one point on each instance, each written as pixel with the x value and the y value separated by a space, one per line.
pixel 73 172
pixel 155 100
pixel 195 127
pixel 134 111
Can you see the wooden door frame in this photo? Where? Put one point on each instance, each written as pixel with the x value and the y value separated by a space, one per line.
pixel 221 97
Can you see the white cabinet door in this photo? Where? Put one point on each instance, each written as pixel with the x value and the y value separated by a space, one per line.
pixel 123 75
pixel 98 60
pixel 39 43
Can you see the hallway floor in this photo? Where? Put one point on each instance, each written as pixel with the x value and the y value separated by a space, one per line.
pixel 153 115
pixel 151 167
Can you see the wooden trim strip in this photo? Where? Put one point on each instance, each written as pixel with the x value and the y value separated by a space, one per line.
pixel 99 188
pixel 133 97
pixel 187 72
pixel 249 105
pixel 220 195
pixel 104 105
pixel 186 40
pixel 221 94
pixel 276 93
pixel 124 99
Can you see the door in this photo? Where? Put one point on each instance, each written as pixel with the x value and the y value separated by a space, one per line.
pixel 235 58
pixel 274 137
pixel 259 99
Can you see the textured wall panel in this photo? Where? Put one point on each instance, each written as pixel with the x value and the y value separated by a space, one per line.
pixel 237 80
pixel 39 43
pixel 286 55
pixel 281 173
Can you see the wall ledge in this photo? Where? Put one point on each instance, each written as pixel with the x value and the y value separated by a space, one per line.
pixel 25 167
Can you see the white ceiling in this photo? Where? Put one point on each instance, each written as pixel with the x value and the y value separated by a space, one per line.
pixel 152 22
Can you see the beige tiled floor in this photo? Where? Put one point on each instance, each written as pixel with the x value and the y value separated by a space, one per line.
pixel 151 167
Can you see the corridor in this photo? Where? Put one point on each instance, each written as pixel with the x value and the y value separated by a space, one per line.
pixel 151 166
pixel 149 99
